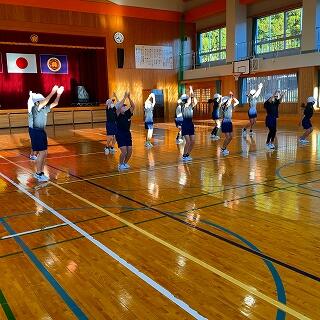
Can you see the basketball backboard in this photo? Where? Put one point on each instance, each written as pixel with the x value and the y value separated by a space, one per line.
pixel 242 67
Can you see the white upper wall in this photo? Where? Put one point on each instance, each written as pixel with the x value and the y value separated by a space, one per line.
pixel 255 9
pixel 265 6
pixel 216 20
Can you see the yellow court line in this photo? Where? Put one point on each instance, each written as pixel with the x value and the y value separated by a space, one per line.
pixel 168 245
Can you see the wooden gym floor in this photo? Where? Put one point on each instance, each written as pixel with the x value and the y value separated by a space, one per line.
pixel 220 238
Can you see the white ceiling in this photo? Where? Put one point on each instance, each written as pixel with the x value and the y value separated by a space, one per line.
pixel 172 5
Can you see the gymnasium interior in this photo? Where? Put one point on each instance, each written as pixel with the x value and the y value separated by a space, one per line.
pixel 221 237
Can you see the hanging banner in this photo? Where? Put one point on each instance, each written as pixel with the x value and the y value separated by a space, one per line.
pixel 54 64
pixel 1 65
pixel 21 63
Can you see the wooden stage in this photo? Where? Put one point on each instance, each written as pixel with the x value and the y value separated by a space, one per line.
pixel 219 238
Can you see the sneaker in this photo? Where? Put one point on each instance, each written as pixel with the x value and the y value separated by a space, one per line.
pixel 181 140
pixel 303 141
pixel 126 166
pixel 186 159
pixel 41 177
pixel 106 150
pixel 244 133
pixel 121 167
pixel 251 134
pixel 33 157
pixel 270 146
pixel 148 144
pixel 112 150
pixel 225 152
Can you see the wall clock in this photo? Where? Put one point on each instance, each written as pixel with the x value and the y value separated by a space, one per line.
pixel 118 37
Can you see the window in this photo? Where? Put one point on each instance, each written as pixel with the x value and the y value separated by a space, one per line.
pixel 203 94
pixel 284 82
pixel 212 45
pixel 277 32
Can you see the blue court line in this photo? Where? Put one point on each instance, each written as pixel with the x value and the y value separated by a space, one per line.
pixel 54 283
pixel 299 185
pixel 281 293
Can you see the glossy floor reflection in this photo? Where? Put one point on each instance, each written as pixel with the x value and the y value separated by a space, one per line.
pixel 220 238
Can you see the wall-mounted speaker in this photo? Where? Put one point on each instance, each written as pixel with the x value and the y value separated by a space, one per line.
pixel 120 57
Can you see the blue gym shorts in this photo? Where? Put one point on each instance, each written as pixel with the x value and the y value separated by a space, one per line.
pixel 111 128
pixel 306 123
pixel 148 125
pixel 124 139
pixel 39 140
pixel 252 115
pixel 215 114
pixel 226 127
pixel 271 122
pixel 187 128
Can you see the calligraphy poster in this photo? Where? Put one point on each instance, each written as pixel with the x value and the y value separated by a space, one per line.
pixel 153 57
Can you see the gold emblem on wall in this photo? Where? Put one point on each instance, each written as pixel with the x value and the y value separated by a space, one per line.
pixel 34 38
pixel 54 64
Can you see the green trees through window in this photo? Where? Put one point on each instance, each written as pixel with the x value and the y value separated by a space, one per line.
pixel 212 45
pixel 280 31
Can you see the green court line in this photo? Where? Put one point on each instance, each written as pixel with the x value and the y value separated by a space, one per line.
pixel 5 306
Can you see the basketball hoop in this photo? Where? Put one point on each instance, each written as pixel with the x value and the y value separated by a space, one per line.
pixel 237 75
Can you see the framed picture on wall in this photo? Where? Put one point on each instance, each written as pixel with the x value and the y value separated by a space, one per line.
pixel 154 57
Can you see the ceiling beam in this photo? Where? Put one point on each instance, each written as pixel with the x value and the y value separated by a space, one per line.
pixel 205 10
pixel 99 8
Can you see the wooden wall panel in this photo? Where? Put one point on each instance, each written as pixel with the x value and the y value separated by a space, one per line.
pixel 136 31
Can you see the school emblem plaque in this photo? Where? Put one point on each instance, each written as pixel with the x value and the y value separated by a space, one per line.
pixel 54 64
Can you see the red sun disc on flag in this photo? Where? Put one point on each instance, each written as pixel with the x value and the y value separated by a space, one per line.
pixel 22 63
pixel 54 64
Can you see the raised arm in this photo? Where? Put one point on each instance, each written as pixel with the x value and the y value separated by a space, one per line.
pixel 258 92
pixel 46 100
pixel 192 100
pixel 56 100
pixel 132 105
pixel 153 96
pixel 115 96
pixel 120 103
pixel 235 101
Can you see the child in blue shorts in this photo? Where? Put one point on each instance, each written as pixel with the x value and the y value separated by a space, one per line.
pixel 148 118
pixel 178 120
pixel 39 110
pixel 216 104
pixel 111 124
pixel 306 121
pixel 123 135
pixel 228 103
pixel 187 128
pixel 252 112
pixel 272 107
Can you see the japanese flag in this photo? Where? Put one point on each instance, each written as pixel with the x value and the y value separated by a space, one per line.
pixel 21 63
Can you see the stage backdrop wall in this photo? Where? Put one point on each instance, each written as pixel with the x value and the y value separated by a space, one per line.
pixel 85 67
pixel 136 31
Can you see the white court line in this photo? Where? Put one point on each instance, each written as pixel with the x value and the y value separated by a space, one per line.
pixel 33 231
pixel 112 254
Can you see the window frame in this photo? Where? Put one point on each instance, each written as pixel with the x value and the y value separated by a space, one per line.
pixel 283 39
pixel 220 51
pixel 269 79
